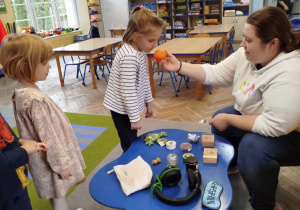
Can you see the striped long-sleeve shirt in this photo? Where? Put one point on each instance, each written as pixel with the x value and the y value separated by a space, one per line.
pixel 128 88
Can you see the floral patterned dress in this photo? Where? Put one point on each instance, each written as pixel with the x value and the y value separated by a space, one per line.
pixel 40 119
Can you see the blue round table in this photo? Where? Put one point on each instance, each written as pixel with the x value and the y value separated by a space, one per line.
pixel 106 189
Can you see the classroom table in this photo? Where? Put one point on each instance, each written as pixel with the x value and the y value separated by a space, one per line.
pixel 106 189
pixel 117 31
pixel 220 30
pixel 184 49
pixel 88 48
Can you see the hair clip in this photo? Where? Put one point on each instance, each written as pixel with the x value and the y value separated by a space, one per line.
pixel 141 7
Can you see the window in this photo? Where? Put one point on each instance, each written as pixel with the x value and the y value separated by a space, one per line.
pixel 45 14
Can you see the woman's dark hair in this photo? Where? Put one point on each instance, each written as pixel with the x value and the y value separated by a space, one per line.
pixel 272 22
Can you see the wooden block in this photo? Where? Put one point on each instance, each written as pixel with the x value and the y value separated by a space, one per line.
pixel 210 155
pixel 208 140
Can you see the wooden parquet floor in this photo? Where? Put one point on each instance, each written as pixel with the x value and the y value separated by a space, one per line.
pixel 75 97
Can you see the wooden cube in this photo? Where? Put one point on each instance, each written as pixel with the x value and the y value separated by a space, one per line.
pixel 208 140
pixel 210 155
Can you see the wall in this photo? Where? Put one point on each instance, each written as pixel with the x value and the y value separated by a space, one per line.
pixel 114 13
pixel 296 8
pixel 83 15
pixel 9 15
pixel 63 39
pixel 256 5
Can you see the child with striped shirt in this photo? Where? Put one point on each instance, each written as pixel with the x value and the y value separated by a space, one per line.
pixel 129 87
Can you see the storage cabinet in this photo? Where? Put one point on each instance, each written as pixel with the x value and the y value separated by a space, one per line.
pixel 94 10
pixel 236 12
pixel 181 15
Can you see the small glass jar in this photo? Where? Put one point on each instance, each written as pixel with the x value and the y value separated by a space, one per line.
pixel 172 160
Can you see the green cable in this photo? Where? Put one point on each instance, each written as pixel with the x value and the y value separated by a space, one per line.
pixel 158 183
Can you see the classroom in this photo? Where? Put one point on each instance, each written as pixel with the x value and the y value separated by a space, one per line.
pixel 86 36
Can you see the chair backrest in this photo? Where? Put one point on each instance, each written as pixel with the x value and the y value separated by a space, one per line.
pixel 212 53
pixel 163 37
pixel 120 45
pixel 107 51
pixel 201 35
pixel 219 51
pixel 231 35
pixel 187 33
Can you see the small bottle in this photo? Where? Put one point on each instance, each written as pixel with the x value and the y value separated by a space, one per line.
pixel 172 160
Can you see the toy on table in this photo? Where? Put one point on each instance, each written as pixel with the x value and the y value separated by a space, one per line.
pixel 208 140
pixel 160 55
pixel 193 138
pixel 211 196
pixel 150 138
pixel 210 155
pixel 156 161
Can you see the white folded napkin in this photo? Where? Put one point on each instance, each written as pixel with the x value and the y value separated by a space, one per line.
pixel 134 176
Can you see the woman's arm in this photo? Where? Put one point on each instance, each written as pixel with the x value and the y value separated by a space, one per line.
pixel 194 71
pixel 243 122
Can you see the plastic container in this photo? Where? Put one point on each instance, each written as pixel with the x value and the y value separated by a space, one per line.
pixel 186 155
pixel 186 147
pixel 148 6
pixel 153 6
pixel 132 6
pixel 172 160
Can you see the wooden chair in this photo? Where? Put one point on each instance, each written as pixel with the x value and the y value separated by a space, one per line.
pixel 187 33
pixel 117 32
pixel 202 35
pixel 219 51
pixel 163 37
pixel 77 63
pixel 120 45
pixel 101 62
pixel 113 54
pixel 229 46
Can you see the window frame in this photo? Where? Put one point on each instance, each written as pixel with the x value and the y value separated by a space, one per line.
pixel 54 9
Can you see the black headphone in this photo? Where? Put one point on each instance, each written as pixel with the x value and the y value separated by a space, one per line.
pixel 171 176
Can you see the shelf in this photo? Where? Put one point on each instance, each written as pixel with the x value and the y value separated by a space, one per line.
pixel 179 28
pixel 96 5
pixel 98 13
pixel 227 6
pixel 213 14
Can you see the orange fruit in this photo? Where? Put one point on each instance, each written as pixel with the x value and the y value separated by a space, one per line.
pixel 160 55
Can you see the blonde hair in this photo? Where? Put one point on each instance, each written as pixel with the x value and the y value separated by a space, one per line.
pixel 142 21
pixel 21 53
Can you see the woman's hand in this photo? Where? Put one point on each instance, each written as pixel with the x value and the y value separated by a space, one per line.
pixel 67 173
pixel 220 121
pixel 136 125
pixel 32 146
pixel 170 63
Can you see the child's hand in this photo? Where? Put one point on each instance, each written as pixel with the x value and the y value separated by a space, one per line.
pixel 32 146
pixel 149 112
pixel 136 125
pixel 67 173
pixel 170 63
